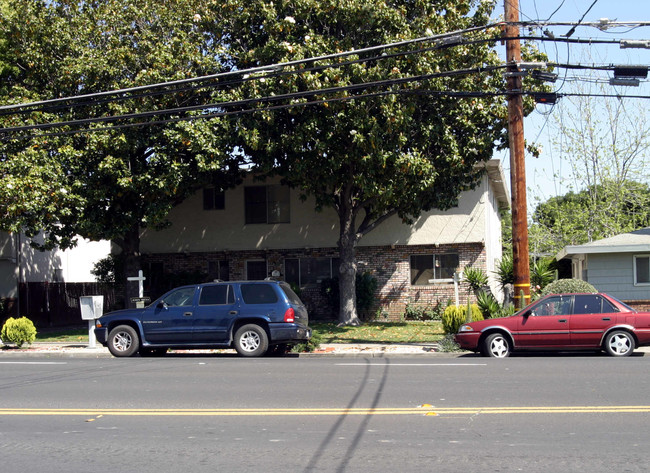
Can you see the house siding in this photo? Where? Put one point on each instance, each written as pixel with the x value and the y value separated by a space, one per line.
pixel 613 273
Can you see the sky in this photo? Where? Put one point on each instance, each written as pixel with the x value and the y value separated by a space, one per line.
pixel 551 174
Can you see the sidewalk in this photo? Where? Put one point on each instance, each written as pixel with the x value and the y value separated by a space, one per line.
pixel 367 350
pixel 326 349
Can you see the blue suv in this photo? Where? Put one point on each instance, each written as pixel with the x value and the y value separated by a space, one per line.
pixel 254 317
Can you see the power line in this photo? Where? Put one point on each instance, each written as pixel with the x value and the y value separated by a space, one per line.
pixel 445 40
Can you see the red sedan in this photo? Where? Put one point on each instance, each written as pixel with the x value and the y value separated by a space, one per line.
pixel 561 322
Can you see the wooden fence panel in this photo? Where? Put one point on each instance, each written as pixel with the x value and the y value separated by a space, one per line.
pixel 57 304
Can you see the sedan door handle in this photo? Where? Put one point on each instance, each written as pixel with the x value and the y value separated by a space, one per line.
pixel 187 314
pixel 562 320
pixel 606 318
pixel 233 312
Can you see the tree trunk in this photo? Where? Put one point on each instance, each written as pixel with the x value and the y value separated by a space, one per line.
pixel 131 253
pixel 348 267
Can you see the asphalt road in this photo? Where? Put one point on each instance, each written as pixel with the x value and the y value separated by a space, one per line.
pixel 224 413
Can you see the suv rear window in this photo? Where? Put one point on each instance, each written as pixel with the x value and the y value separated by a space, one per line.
pixel 292 296
pixel 258 294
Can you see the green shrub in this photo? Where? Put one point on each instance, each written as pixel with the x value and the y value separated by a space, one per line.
pixel 475 278
pixel 308 347
pixel 564 286
pixel 423 312
pixel 454 316
pixel 505 270
pixel 488 305
pixel 542 272
pixel 18 331
pixel 365 285
pixel 447 344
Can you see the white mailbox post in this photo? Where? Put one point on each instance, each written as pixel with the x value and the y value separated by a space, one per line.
pixel 92 307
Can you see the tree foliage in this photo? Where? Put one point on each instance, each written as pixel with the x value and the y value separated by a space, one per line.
pixel 605 143
pixel 601 211
pixel 374 152
pixel 106 184
pixel 399 149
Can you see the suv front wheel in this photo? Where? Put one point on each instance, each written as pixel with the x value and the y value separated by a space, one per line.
pixel 251 340
pixel 123 340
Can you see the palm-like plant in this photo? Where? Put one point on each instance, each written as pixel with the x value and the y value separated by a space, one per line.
pixel 542 272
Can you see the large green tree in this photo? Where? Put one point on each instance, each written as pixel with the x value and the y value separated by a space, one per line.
pixel 569 219
pixel 110 183
pixel 605 143
pixel 397 149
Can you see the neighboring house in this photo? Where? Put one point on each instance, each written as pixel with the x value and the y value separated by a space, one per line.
pixel 619 266
pixel 263 229
pixel 21 264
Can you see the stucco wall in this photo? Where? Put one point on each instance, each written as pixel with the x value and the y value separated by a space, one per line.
pixel 72 265
pixel 196 230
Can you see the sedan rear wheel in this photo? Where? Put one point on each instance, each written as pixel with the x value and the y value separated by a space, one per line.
pixel 619 343
pixel 251 340
pixel 496 346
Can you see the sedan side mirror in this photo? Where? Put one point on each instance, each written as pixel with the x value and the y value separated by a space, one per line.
pixel 162 305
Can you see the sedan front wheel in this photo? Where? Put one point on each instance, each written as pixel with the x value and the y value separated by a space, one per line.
pixel 496 346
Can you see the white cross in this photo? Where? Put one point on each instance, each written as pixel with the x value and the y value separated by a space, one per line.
pixel 140 278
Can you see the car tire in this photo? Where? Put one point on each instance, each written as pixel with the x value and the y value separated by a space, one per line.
pixel 251 340
pixel 152 352
pixel 496 345
pixel 123 340
pixel 619 343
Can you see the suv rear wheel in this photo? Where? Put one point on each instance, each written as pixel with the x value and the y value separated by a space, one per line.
pixel 251 340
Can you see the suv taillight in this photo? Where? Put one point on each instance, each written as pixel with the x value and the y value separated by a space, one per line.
pixel 289 315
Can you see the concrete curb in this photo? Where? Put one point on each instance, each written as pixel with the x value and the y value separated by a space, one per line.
pixel 334 350
pixel 57 350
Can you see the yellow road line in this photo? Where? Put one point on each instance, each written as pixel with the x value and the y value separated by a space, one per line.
pixel 428 410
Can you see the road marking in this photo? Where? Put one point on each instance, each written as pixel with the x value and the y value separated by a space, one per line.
pixel 33 363
pixel 411 364
pixel 423 410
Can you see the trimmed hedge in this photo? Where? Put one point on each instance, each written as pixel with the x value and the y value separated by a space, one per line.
pixel 18 331
pixel 568 286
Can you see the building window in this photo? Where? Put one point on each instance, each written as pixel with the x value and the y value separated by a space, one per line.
pixel 219 270
pixel 256 270
pixel 641 270
pixel 432 267
pixel 266 204
pixel 214 199
pixel 304 271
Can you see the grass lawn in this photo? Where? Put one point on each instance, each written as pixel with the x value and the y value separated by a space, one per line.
pixel 370 332
pixel 380 332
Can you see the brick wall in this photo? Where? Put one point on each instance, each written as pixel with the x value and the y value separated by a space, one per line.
pixel 389 265
pixel 641 306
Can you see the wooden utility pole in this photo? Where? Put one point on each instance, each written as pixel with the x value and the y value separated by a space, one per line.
pixel 517 161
